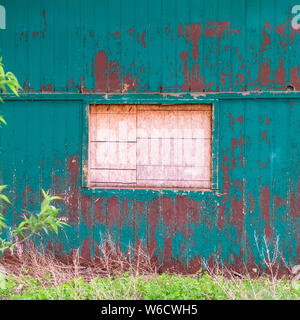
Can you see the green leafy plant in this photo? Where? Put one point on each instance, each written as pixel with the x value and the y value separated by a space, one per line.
pixel 8 81
pixel 44 221
pixel 155 287
pixel 3 198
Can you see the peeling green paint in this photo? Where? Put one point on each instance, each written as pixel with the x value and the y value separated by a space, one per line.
pixel 241 57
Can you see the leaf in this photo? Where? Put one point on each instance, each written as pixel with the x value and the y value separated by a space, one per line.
pixel 1 118
pixel 13 89
pixel 4 198
pixel 8 79
pixel 2 187
pixel 44 193
pixel 46 230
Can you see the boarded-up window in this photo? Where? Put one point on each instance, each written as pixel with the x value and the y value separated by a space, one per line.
pixel 151 146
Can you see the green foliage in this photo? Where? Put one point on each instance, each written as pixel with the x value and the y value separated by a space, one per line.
pixel 168 287
pixel 46 220
pixel 3 198
pixel 162 287
pixel 8 81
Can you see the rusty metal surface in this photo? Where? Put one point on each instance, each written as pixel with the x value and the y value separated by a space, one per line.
pixel 72 50
pixel 151 46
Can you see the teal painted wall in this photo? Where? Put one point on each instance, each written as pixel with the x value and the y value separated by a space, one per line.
pixel 151 45
pixel 67 54
pixel 257 199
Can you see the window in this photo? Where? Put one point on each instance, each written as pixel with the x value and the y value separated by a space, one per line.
pixel 150 146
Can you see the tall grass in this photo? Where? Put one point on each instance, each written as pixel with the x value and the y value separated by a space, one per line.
pixel 113 275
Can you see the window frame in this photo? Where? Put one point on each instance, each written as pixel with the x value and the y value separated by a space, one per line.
pixel 214 139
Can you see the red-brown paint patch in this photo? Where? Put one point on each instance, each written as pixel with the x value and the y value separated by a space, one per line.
pixel 86 209
pixel 277 202
pixel 280 73
pixel 153 212
pixel 44 18
pixel 101 67
pixel 283 37
pixel 294 77
pixel 261 165
pixel 130 32
pixel 124 213
pixel 196 30
pixel 114 82
pixel 113 212
pixel 195 208
pixel 265 205
pixel 116 34
pixel 211 29
pixel 71 83
pixel 223 25
pixel 143 39
pixel 265 73
pixel 186 85
pixel 129 82
pixel 236 31
pixel 107 75
pixel 83 88
pixel 239 79
pixel 241 142
pixel 233 146
pixel 86 249
pixel 47 88
pixel 72 197
pixel 187 33
pixel 197 82
pixel 184 208
pixel 138 206
pixel 179 31
pixel 45 23
pixel 99 215
pixel 266 37
pixel 28 197
pixel 237 215
pixel 168 210
pixel 217 28
pixel 252 203
pixel 26 85
pixel 295 203
pixel 223 78
pixel 167 249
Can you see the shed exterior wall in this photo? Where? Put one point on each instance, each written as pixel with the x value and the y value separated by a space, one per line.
pixel 240 56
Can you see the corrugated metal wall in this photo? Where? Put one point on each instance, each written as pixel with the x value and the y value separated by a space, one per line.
pixel 142 49
pixel 151 46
